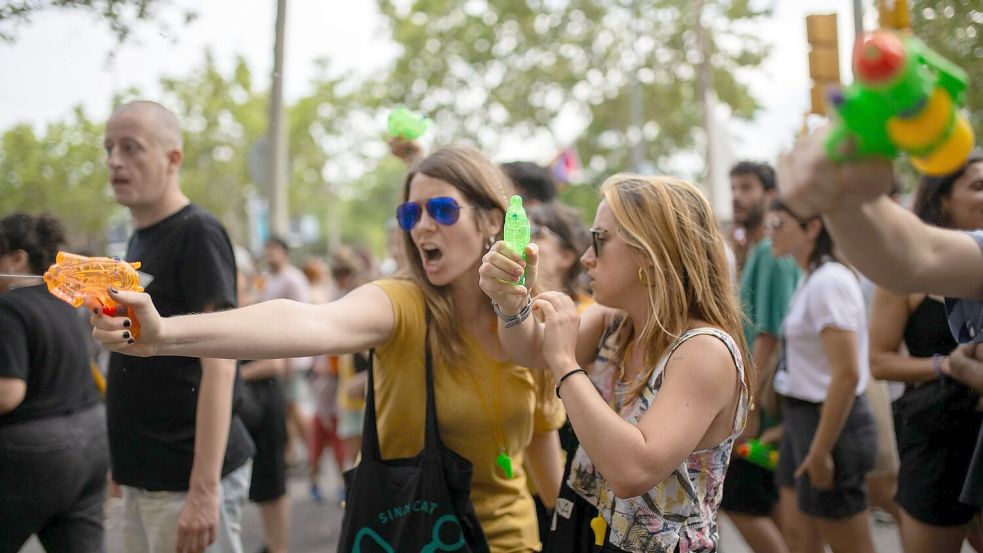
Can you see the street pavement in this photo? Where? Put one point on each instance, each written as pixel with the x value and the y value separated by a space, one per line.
pixel 315 527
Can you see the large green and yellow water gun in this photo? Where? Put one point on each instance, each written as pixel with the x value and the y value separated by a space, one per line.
pixel 906 97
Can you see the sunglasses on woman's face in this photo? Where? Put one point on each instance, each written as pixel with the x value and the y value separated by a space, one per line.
pixel 597 240
pixel 443 209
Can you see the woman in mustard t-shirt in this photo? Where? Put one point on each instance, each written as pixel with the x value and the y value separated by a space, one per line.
pixel 454 205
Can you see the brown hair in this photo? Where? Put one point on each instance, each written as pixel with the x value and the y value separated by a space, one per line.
pixel 671 225
pixel 487 188
pixel 564 221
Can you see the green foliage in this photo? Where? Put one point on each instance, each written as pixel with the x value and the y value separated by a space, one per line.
pixel 487 71
pixel 222 117
pixel 60 171
pixel 954 29
pixel 582 197
pixel 122 16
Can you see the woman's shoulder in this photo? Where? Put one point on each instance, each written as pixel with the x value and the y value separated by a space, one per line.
pixel 707 354
pixel 710 341
pixel 409 309
pixel 401 290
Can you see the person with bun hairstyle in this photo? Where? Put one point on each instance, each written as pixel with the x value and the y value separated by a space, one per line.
pixel 54 453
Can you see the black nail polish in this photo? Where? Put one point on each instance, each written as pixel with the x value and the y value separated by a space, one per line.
pixel 126 323
pixel 126 335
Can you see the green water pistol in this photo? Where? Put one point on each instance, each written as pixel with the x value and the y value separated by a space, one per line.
pixel 517 230
pixel 406 123
pixel 757 453
pixel 906 98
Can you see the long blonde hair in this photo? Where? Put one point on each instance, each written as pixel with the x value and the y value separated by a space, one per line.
pixel 487 188
pixel 671 226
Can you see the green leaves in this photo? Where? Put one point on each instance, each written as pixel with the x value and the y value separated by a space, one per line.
pixel 488 71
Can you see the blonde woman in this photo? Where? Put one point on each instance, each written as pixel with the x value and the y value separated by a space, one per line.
pixel 651 376
pixel 488 408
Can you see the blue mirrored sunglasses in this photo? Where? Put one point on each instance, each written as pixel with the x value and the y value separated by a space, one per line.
pixel 443 209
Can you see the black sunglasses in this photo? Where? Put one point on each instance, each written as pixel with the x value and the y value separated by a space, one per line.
pixel 443 209
pixel 597 240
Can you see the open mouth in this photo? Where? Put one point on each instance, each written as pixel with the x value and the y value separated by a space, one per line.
pixel 431 253
pixel 119 180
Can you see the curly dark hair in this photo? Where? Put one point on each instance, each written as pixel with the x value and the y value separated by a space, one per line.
pixel 38 235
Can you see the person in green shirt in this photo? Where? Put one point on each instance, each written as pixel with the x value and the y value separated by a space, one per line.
pixel 766 286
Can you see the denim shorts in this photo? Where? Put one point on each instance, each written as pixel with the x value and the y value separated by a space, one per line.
pixel 853 454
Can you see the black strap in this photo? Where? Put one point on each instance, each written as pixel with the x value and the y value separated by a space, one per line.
pixel 370 433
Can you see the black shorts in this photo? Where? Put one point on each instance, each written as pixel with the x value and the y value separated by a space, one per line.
pixel 263 409
pixel 853 457
pixel 936 423
pixel 749 489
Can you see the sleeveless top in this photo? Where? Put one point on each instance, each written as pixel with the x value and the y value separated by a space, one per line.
pixel 927 330
pixel 681 510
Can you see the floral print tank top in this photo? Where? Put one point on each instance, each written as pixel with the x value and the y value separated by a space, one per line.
pixel 679 513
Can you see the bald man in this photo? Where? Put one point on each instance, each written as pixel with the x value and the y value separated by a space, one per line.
pixel 176 445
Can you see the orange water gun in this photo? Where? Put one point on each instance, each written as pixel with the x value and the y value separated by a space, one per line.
pixel 78 280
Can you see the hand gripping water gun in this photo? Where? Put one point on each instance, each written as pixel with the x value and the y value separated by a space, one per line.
pixel 407 124
pixel 906 97
pixel 758 453
pixel 517 230
pixel 77 279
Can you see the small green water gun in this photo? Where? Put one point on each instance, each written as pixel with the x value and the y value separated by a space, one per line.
pixel 906 98
pixel 517 230
pixel 758 453
pixel 406 123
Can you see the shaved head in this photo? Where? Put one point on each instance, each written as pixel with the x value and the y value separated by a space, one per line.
pixel 163 124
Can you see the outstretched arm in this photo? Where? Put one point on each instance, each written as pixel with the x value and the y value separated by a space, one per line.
pixel 359 321
pixel 898 251
pixel 887 243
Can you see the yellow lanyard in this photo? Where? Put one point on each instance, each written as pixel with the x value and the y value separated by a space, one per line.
pixel 502 460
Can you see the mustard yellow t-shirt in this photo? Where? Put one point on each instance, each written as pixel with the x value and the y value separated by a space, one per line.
pixel 520 407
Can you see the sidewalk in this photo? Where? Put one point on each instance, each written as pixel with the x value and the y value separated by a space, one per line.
pixel 315 528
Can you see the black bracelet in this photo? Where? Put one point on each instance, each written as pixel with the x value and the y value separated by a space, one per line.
pixel 566 376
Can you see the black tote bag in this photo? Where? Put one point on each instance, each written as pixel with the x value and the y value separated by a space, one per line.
pixel 415 504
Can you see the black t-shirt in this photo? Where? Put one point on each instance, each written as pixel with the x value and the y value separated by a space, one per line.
pixel 44 342
pixel 151 402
